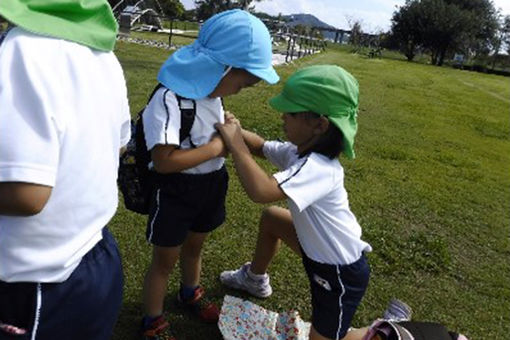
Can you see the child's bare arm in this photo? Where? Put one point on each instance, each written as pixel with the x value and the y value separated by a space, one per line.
pixel 23 199
pixel 259 186
pixel 254 142
pixel 170 159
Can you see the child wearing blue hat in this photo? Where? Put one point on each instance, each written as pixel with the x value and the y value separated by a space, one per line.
pixel 233 51
pixel 319 105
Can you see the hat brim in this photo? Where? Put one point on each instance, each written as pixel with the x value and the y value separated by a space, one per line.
pixel 282 104
pixel 190 73
pixel 269 75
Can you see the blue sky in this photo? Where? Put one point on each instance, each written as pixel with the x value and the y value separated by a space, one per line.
pixel 375 15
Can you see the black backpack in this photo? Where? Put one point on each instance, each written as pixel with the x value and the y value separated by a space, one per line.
pixel 136 181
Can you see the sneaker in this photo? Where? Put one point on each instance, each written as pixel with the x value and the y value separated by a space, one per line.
pixel 397 311
pixel 157 330
pixel 206 312
pixel 241 279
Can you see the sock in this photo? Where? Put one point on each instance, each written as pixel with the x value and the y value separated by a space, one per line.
pixel 148 320
pixel 254 276
pixel 187 292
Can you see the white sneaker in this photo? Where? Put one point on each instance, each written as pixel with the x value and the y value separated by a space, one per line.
pixel 242 280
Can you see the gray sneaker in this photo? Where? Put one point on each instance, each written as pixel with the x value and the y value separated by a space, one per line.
pixel 397 311
pixel 240 279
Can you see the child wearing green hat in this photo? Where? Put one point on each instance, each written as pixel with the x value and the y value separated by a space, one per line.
pixel 233 51
pixel 64 117
pixel 319 105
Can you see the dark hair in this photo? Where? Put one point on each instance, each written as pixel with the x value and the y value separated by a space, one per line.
pixel 330 143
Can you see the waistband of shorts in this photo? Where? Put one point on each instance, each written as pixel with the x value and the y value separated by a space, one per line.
pixel 190 177
pixel 306 258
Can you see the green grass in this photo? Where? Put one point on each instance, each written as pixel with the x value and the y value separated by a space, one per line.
pixel 430 187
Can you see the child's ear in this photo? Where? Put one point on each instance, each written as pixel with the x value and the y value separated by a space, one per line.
pixel 322 125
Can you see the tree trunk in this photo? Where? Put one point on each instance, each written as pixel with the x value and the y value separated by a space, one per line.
pixel 433 58
pixel 440 60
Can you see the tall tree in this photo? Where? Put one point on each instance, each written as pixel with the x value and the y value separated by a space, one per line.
pixel 445 26
pixel 207 8
pixel 405 31
pixel 506 32
pixel 172 8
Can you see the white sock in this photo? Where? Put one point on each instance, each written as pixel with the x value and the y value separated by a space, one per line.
pixel 256 276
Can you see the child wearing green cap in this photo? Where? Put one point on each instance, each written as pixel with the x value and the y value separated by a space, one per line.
pixel 64 117
pixel 319 105
pixel 233 51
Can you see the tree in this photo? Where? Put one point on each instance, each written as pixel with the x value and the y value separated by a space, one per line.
pixel 404 30
pixel 172 8
pixel 356 33
pixel 506 32
pixel 445 26
pixel 207 8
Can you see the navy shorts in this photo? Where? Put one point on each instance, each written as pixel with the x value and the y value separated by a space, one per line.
pixel 336 291
pixel 185 202
pixel 83 307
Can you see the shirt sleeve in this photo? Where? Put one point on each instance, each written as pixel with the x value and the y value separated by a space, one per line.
pixel 279 153
pixel 125 129
pixel 29 133
pixel 162 119
pixel 306 181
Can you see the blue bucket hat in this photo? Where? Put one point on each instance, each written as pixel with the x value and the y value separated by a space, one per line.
pixel 232 38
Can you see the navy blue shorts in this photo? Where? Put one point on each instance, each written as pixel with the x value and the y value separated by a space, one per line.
pixel 336 294
pixel 84 307
pixel 185 202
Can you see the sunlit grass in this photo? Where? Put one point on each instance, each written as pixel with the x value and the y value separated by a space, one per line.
pixel 430 187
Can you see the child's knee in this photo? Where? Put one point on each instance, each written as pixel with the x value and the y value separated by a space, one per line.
pixel 272 214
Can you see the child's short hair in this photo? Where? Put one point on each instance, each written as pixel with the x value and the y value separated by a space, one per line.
pixel 327 90
pixel 330 143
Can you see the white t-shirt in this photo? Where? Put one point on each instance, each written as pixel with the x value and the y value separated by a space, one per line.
pixel 63 117
pixel 162 121
pixel 327 229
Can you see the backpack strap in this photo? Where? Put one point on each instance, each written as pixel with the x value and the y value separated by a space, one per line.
pixel 188 108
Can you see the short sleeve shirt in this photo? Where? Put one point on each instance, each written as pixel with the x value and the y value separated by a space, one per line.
pixel 327 230
pixel 162 122
pixel 64 116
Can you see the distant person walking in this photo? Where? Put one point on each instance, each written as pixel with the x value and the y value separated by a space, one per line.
pixel 64 116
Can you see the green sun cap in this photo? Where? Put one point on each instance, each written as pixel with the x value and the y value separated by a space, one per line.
pixel 87 22
pixel 327 90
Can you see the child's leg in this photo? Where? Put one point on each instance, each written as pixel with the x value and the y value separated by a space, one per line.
pixel 191 259
pixel 156 279
pixel 275 225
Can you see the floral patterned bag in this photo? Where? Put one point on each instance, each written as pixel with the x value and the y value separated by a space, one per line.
pixel 244 320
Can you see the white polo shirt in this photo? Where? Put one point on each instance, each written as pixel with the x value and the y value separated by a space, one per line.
pixel 63 117
pixel 162 121
pixel 327 229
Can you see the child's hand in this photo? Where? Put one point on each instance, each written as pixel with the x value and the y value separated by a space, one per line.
pixel 230 118
pixel 219 145
pixel 231 133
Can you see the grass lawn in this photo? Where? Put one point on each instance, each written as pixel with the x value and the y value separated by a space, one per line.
pixel 430 187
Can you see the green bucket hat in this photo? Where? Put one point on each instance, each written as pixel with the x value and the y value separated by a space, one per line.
pixel 328 90
pixel 87 22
